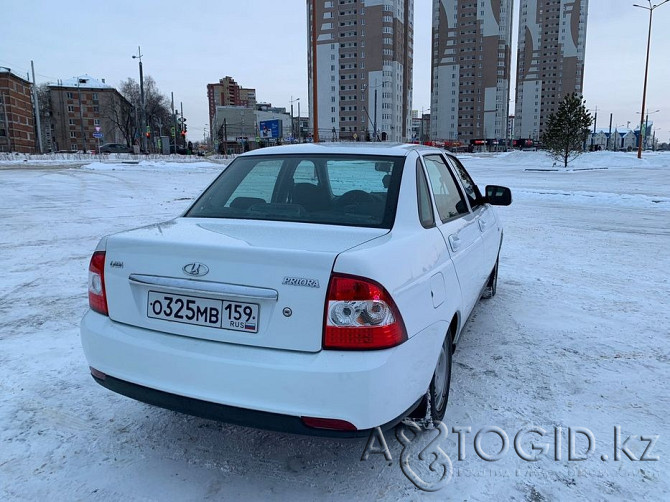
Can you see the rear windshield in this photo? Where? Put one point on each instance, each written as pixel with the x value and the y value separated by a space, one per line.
pixel 353 190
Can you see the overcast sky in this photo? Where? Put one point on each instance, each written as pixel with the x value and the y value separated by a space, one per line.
pixel 262 44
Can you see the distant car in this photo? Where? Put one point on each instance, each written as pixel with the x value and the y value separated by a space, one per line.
pixel 312 288
pixel 115 148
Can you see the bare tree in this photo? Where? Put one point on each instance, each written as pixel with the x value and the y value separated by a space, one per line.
pixel 44 102
pixel 157 106
pixel 121 115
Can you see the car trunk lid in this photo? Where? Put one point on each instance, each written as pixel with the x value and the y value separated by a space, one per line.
pixel 236 281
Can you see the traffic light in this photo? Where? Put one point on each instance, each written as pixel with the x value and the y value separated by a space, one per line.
pixel 183 133
pixel 148 133
pixel 184 125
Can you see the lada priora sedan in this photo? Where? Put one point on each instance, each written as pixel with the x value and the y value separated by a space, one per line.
pixel 313 288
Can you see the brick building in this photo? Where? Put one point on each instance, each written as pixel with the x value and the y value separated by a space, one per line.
pixel 228 93
pixel 17 120
pixel 81 106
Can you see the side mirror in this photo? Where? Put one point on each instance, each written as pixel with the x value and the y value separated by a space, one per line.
pixel 498 196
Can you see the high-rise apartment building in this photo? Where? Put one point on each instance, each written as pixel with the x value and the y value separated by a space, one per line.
pixel 470 77
pixel 363 67
pixel 227 92
pixel 552 40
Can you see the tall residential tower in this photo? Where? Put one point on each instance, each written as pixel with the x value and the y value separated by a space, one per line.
pixel 363 68
pixel 552 39
pixel 470 69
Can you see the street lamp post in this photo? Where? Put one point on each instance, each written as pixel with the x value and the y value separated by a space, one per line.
pixel 374 124
pixel 292 124
pixel 650 8
pixel 421 139
pixel 644 120
pixel 142 111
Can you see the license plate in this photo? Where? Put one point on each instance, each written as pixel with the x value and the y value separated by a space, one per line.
pixel 208 312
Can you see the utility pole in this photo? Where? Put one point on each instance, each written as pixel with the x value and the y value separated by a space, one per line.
pixel 225 137
pixel 174 122
pixel 608 138
pixel 37 110
pixel 181 105
pixel 595 121
pixel 81 114
pixel 142 110
pixel 646 70
pixel 315 87
pixel 375 123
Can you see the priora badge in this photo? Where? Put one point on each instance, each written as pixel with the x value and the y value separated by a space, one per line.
pixel 196 269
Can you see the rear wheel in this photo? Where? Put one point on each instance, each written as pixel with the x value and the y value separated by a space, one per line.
pixel 438 392
pixel 492 284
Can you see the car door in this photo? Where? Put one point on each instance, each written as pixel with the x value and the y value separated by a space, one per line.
pixel 459 228
pixel 486 218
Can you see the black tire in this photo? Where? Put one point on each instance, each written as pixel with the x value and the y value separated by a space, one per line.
pixel 438 391
pixel 492 284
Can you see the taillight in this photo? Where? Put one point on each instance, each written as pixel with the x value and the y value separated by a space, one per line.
pixel 97 299
pixel 360 315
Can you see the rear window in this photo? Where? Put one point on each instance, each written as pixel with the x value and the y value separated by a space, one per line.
pixel 352 190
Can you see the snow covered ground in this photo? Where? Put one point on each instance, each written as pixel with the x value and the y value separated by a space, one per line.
pixel 578 336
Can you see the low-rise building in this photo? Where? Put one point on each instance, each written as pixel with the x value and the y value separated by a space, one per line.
pixel 82 108
pixel 619 138
pixel 241 128
pixel 17 118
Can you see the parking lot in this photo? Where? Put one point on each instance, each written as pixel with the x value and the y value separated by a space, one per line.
pixel 578 336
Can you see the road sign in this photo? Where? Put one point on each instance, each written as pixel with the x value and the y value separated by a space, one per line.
pixel 97 135
pixel 97 128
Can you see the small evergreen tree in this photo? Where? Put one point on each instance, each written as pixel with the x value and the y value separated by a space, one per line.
pixel 566 130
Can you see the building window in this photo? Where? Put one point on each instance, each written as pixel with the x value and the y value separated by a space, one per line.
pixel 73 134
pixel 69 95
pixel 70 108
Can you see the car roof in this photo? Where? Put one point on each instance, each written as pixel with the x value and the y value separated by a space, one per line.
pixel 344 148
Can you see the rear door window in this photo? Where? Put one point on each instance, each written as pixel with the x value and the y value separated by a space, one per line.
pixel 448 198
pixel 471 190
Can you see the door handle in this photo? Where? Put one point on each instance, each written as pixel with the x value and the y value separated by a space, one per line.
pixel 454 242
pixel 482 224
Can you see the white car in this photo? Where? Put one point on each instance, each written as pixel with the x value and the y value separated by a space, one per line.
pixel 315 289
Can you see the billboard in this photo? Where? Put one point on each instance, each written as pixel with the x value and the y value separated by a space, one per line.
pixel 270 129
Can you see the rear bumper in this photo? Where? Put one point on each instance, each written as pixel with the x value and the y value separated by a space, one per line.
pixel 230 414
pixel 260 387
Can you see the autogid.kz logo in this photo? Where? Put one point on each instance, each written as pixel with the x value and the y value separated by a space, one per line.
pixel 424 461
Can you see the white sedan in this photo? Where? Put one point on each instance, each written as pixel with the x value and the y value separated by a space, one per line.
pixel 315 289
